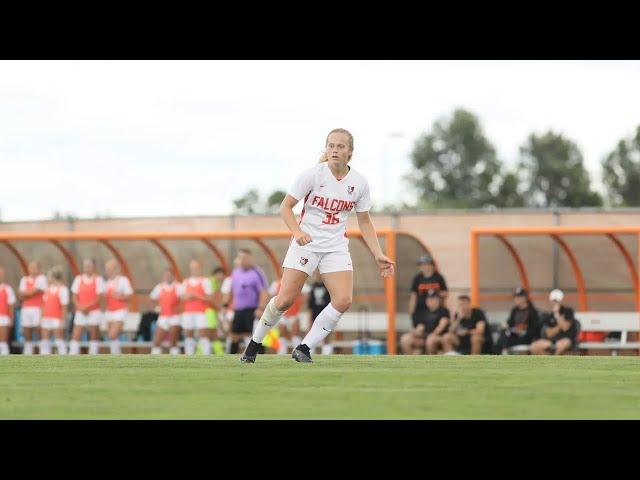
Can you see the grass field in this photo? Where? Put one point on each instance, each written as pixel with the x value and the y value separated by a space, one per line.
pixel 334 387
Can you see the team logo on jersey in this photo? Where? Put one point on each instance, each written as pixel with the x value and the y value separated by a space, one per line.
pixel 303 261
pixel 350 189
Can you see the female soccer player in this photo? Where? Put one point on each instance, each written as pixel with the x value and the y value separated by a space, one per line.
pixel 88 290
pixel 30 291
pixel 54 312
pixel 197 295
pixel 118 294
pixel 330 191
pixel 167 294
pixel 7 300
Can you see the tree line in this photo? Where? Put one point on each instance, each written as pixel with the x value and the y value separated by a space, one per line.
pixel 455 165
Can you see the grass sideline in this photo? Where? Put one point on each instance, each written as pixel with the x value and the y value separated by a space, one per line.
pixel 333 387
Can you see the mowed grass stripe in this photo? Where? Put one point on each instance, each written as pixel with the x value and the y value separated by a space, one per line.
pixel 340 387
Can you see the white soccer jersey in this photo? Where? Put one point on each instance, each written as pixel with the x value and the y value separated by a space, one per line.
pixel 327 203
pixel 61 290
pixel 120 285
pixel 41 283
pixel 155 293
pixel 75 286
pixel 11 296
pixel 225 288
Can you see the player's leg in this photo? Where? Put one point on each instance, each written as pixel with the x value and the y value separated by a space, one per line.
pixel 162 326
pixel 291 285
pixel 418 343
pixel 285 335
pixel 337 275
pixel 61 345
pixel 30 320
pixel 204 334
pixel 114 328
pixel 45 337
pixel 450 342
pixel 540 347
pixel 94 332
pixel 26 319
pixel 433 343
pixel 79 322
pixel 174 332
pixel 563 346
pixel 477 342
pixel 406 340
pixel 188 327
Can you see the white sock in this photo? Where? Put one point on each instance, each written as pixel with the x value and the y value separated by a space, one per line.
pixel 74 347
pixel 156 351
pixel 115 347
pixel 327 349
pixel 283 349
pixel 94 347
pixel 45 347
pixel 4 348
pixel 62 348
pixel 189 346
pixel 28 348
pixel 174 351
pixel 270 317
pixel 296 340
pixel 205 343
pixel 322 327
pixel 227 344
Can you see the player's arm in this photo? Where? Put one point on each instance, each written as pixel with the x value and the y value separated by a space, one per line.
pixel 286 212
pixel 25 293
pixel 442 325
pixel 479 328
pixel 371 239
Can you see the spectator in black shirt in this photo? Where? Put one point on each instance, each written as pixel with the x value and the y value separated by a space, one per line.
pixel 428 333
pixel 428 279
pixel 560 328
pixel 522 327
pixel 466 334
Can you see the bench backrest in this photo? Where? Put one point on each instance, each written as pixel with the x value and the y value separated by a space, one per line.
pixel 609 321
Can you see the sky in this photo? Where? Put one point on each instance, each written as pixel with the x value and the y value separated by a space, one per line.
pixel 154 138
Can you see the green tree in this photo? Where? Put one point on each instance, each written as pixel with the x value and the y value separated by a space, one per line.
pixel 555 175
pixel 454 164
pixel 509 194
pixel 274 201
pixel 621 172
pixel 249 203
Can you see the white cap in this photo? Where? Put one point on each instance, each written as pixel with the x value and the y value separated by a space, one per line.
pixel 556 295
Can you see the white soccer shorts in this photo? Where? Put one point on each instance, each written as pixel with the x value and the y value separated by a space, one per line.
pixel 299 258
pixel 91 319
pixel 50 323
pixel 166 322
pixel 30 317
pixel 116 315
pixel 5 321
pixel 194 320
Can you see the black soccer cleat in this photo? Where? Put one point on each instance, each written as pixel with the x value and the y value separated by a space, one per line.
pixel 302 354
pixel 249 355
